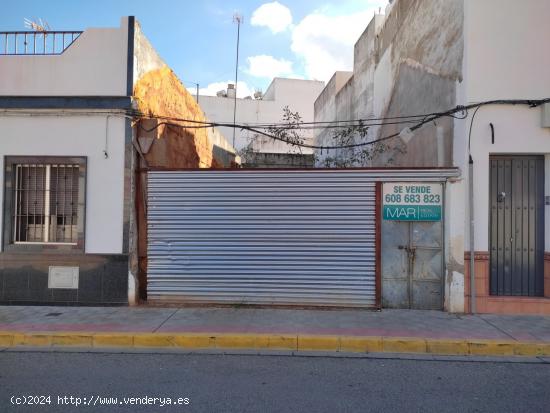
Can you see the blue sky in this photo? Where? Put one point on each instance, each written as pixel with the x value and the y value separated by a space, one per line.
pixel 300 38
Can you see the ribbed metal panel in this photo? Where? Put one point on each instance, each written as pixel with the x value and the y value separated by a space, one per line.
pixel 263 237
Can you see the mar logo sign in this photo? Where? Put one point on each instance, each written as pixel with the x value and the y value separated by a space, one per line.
pixel 412 201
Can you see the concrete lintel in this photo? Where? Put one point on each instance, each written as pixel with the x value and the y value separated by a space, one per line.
pixel 65 102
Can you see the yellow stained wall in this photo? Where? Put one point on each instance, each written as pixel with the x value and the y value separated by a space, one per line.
pixel 159 92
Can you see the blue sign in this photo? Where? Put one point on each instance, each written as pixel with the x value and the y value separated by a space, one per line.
pixel 412 201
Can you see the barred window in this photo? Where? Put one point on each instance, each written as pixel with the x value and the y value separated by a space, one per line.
pixel 45 199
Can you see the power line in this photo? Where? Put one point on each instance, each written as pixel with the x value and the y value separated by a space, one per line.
pixel 459 112
pixel 427 118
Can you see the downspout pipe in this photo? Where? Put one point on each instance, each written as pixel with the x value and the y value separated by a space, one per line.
pixel 472 247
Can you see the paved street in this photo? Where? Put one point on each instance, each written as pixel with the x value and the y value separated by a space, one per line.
pixel 243 383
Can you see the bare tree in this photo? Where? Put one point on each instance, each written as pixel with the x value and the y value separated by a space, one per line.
pixel 291 130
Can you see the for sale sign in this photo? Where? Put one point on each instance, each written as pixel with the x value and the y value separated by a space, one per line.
pixel 412 201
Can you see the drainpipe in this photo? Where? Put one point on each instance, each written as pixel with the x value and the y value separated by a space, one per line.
pixel 472 248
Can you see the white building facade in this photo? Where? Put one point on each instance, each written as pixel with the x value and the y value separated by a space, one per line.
pixel 296 94
pixel 64 166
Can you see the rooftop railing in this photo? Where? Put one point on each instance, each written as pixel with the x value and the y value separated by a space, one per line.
pixel 36 42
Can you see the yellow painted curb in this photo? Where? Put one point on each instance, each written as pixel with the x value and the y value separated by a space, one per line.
pixel 531 349
pixel 112 340
pixel 318 343
pixel 447 347
pixel 353 344
pixel 282 342
pixel 35 340
pixel 403 345
pixel 240 341
pixel 191 341
pixel 154 340
pixel 6 340
pixel 69 339
pixel 491 348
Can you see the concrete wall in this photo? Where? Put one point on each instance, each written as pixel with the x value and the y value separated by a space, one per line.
pixel 278 160
pixel 405 63
pixel 408 62
pixel 220 109
pixel 298 95
pixel 94 65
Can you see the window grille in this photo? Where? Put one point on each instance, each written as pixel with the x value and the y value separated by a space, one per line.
pixel 46 203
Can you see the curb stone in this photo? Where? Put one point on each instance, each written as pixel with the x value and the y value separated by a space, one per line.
pixel 301 343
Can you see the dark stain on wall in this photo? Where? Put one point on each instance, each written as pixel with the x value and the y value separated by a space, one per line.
pixel 103 279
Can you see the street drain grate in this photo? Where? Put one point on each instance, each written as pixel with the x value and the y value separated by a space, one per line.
pixel 53 314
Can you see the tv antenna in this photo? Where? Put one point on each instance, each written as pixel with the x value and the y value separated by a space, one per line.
pixel 38 25
pixel 237 18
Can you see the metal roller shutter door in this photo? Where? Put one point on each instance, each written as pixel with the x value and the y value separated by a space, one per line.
pixel 262 237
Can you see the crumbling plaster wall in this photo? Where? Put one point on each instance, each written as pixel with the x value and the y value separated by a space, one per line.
pixel 327 109
pixel 409 63
pixel 421 47
pixel 364 65
pixel 406 63
pixel 158 91
pixel 419 55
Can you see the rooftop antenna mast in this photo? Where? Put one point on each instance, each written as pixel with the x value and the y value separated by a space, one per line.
pixel 40 28
pixel 237 18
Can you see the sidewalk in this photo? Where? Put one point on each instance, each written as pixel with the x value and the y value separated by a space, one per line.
pixel 393 331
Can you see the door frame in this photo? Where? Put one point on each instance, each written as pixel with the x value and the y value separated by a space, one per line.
pixel 443 249
pixel 538 236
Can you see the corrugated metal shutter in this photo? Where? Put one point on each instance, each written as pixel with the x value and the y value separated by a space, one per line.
pixel 262 237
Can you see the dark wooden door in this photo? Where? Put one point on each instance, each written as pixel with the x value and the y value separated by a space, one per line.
pixel 517 225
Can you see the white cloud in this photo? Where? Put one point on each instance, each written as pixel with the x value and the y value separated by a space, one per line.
pixel 274 16
pixel 243 89
pixel 268 67
pixel 324 43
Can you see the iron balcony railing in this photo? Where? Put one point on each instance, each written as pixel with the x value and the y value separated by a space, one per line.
pixel 36 42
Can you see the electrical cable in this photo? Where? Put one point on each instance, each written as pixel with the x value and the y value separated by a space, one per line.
pixel 459 112
pixel 470 134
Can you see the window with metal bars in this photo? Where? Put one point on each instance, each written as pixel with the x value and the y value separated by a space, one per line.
pixel 45 199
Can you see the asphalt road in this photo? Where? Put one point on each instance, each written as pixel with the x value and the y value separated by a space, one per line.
pixel 246 383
